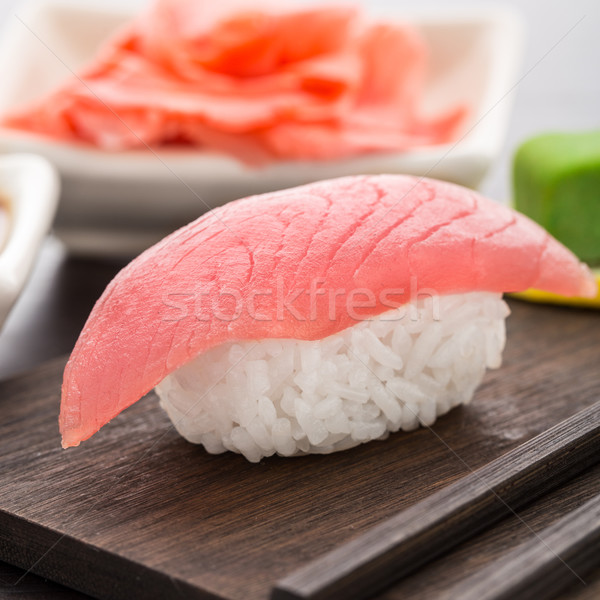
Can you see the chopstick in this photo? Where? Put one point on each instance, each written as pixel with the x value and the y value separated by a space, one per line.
pixel 417 535
pixel 542 567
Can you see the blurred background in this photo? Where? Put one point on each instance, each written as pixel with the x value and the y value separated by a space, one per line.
pixel 558 86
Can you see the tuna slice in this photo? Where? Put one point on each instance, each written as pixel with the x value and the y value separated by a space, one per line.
pixel 286 265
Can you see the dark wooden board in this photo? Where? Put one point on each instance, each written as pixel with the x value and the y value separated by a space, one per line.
pixel 544 565
pixel 17 585
pixel 417 535
pixel 442 578
pixel 137 512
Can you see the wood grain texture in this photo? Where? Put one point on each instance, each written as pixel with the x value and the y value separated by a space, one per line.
pixel 481 552
pixel 17 585
pixel 146 515
pixel 419 534
pixel 544 565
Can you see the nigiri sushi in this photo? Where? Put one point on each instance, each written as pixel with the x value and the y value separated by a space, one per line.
pixel 313 319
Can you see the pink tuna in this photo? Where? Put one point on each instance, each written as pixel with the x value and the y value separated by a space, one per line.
pixel 284 265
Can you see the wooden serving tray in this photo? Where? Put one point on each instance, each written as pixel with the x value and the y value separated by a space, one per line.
pixel 137 512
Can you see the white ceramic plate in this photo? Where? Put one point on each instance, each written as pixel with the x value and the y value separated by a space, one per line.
pixel 29 188
pixel 119 203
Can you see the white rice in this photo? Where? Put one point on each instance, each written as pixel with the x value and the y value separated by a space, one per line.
pixel 284 396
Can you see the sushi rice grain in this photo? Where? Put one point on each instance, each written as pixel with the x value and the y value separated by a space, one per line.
pixel 289 397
